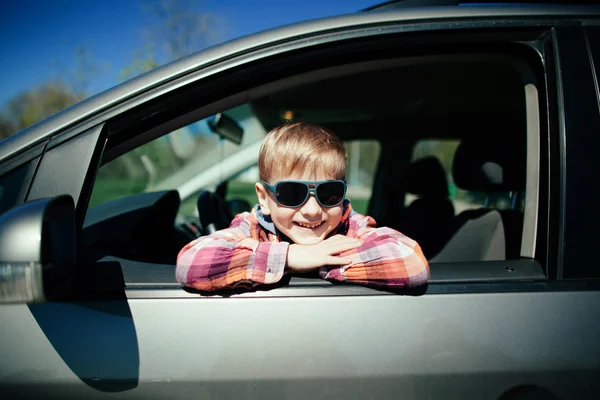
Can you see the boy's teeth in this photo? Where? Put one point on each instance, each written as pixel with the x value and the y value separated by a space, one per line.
pixel 309 225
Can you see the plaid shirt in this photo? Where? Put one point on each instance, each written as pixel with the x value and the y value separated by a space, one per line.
pixel 250 253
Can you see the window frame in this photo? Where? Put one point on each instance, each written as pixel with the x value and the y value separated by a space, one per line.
pixel 577 50
pixel 27 160
pixel 218 105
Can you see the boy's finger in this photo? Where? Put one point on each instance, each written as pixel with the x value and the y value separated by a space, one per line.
pixel 346 241
pixel 341 239
pixel 331 260
pixel 341 247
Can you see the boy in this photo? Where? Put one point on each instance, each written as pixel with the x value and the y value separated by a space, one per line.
pixel 301 223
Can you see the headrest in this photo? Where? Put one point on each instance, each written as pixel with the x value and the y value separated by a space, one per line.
pixel 426 177
pixel 490 165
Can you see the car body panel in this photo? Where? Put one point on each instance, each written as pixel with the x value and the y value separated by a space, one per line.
pixel 296 347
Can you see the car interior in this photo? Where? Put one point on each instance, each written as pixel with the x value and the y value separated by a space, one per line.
pixel 476 98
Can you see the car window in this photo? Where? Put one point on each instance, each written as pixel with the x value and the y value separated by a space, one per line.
pixel 193 159
pixel 174 160
pixel 443 151
pixel 363 157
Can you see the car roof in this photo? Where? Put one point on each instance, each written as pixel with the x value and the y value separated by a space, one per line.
pixel 101 102
pixel 403 4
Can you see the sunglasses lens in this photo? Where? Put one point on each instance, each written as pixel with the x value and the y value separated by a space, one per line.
pixel 330 193
pixel 291 194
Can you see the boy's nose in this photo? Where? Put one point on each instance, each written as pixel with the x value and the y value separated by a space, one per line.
pixel 311 207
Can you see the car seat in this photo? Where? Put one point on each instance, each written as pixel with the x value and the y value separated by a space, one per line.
pixel 213 212
pixel 428 218
pixel 488 165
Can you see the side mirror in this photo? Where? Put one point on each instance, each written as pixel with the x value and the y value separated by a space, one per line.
pixel 37 250
pixel 226 127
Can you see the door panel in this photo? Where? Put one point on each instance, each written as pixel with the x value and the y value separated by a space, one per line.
pixel 433 346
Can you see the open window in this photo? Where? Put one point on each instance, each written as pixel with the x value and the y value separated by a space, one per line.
pixel 394 106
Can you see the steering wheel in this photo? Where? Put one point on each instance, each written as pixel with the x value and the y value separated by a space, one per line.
pixel 213 212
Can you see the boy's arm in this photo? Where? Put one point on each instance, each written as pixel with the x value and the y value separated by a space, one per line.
pixel 387 258
pixel 231 258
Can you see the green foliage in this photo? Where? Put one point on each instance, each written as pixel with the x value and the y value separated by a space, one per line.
pixel 29 107
pixel 7 127
pixel 363 156
pixel 111 188
pixel 55 95
pixel 442 149
pixel 177 29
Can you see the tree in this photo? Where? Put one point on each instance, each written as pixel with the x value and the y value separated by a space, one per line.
pixel 6 127
pixel 70 86
pixel 79 77
pixel 29 107
pixel 177 29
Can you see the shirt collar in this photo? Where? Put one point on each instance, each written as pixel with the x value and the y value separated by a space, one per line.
pixel 264 220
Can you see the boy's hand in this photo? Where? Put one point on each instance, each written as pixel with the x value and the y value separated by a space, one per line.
pixel 304 258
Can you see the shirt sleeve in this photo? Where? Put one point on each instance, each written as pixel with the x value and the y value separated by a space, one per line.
pixel 387 258
pixel 231 258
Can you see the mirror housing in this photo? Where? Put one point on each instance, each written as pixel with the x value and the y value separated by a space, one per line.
pixel 226 127
pixel 37 250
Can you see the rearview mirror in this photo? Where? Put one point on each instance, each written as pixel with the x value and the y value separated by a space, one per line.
pixel 226 127
pixel 37 250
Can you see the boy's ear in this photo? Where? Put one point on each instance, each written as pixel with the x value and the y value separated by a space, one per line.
pixel 262 195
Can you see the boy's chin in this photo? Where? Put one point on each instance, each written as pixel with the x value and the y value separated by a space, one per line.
pixel 306 238
pixel 307 241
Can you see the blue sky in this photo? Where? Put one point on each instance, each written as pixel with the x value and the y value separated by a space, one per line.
pixel 38 38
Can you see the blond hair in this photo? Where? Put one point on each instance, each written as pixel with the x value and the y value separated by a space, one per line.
pixel 296 147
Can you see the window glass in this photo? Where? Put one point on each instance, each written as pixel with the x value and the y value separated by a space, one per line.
pixel 241 186
pixel 175 161
pixel 462 200
pixel 363 157
pixel 185 158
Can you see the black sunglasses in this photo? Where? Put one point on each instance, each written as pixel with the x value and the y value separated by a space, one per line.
pixel 295 193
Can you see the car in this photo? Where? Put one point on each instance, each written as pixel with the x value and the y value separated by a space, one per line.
pixel 469 127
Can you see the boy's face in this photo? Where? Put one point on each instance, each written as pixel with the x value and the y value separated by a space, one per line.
pixel 308 224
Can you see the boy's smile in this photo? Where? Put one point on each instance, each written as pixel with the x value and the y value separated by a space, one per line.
pixel 307 224
pixel 310 226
